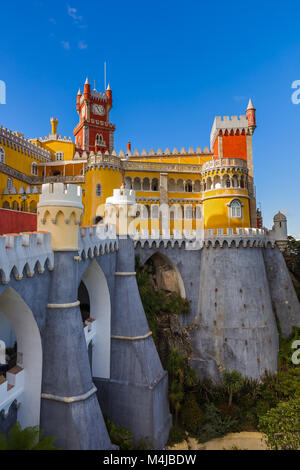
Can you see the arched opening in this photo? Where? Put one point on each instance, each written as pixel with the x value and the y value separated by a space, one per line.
pixel 15 206
pixel 128 182
pixel 146 184
pixel 137 184
pixel 93 294
pixel 33 206
pixel 188 186
pixel 6 205
pixel 167 276
pixel 154 184
pixel 28 360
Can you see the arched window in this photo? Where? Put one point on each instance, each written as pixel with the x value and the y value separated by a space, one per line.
pixel 128 182
pixel 2 155
pixel 98 190
pixel 188 186
pixel 146 184
pixel 154 184
pixel 188 212
pixel 198 212
pixel 137 184
pixel 99 140
pixel 59 156
pixel 171 185
pixel 154 212
pixel 236 209
pixel 34 169
pixel 146 212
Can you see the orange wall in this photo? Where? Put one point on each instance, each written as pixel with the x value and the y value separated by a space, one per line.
pixel 234 146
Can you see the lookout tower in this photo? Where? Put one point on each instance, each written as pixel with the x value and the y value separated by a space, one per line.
pixel 59 212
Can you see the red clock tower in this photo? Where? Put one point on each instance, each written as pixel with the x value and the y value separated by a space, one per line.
pixel 94 131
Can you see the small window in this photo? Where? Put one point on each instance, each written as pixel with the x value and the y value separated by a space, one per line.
pixel 2 155
pixel 236 209
pixel 98 190
pixel 59 156
pixel 34 169
pixel 9 184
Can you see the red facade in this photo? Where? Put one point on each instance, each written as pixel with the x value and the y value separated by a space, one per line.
pixel 16 222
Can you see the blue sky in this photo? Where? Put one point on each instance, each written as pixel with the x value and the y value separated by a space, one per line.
pixel 172 66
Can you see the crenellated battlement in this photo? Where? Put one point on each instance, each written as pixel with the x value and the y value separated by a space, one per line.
pixel 57 194
pixel 198 239
pixel 97 240
pixel 20 143
pixel 122 196
pixel 24 253
pixel 228 123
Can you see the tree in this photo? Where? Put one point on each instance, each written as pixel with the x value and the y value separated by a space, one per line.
pixel 26 439
pixel 281 426
pixel 233 382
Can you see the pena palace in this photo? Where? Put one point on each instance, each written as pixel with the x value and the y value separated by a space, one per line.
pixel 208 188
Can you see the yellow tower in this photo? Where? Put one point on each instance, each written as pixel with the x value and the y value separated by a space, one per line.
pixel 102 174
pixel 59 212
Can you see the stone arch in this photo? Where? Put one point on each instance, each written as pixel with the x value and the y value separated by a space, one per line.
pixel 100 309
pixel 29 354
pixel 164 264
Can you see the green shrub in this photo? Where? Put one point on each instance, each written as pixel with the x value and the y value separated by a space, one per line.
pixel 119 435
pixel 30 438
pixel 215 425
pixel 176 435
pixel 281 426
pixel 191 417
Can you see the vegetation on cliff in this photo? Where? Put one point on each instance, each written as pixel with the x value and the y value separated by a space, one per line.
pixel 201 408
pixel 292 258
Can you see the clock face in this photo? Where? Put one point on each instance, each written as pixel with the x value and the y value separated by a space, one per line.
pixel 98 109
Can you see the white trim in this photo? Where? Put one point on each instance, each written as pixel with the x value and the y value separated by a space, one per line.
pixel 69 305
pixel 125 273
pixel 84 396
pixel 132 338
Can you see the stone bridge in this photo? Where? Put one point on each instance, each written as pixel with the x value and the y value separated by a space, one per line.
pixel 84 348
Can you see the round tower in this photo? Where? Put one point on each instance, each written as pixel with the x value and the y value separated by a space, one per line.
pixel 78 100
pixel 54 123
pixel 120 211
pixel 102 175
pixel 59 212
pixel 251 117
pixel 279 230
pixel 108 93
